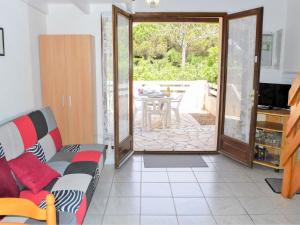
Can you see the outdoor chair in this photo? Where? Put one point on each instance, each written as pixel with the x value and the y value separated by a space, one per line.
pixel 175 103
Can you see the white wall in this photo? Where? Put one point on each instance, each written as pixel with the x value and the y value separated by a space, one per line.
pixel 19 68
pixel 68 19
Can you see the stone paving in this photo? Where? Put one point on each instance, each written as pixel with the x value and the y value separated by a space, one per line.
pixel 188 135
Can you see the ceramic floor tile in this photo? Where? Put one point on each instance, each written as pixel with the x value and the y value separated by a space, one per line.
pixel 132 166
pixel 210 168
pixel 196 220
pixel 121 220
pixel 92 219
pixel 102 190
pixel 125 190
pixel 159 220
pixel 270 219
pixel 156 190
pixel 182 177
pixel 294 219
pixel 153 177
pixel 216 190
pixel 98 205
pixel 225 206
pixel 208 177
pixel 191 206
pixel 234 220
pixel 259 205
pixel 245 190
pixel 123 206
pixel 234 177
pixel 186 190
pixel 127 177
pixel 157 206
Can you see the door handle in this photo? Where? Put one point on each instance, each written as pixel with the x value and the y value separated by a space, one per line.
pixel 63 101
pixel 252 96
pixel 70 101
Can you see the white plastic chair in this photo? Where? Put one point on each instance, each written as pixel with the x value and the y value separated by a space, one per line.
pixel 175 103
pixel 156 106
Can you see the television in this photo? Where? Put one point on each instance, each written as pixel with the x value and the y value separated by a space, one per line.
pixel 273 96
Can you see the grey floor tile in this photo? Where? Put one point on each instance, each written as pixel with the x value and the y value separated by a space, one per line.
pixel 125 190
pixel 245 190
pixel 196 220
pixel 210 168
pixel 93 219
pixel 186 190
pixel 144 169
pixel 102 190
pixel 259 205
pixel 216 190
pixel 127 176
pixel 225 206
pixel 235 220
pixel 132 166
pixel 157 206
pixel 153 177
pixel 159 220
pixel 98 205
pixel 269 219
pixel 182 177
pixel 191 206
pixel 234 177
pixel 179 169
pixel 293 219
pixel 156 190
pixel 210 177
pixel 121 220
pixel 123 206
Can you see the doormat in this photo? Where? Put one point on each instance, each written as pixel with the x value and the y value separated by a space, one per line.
pixel 275 185
pixel 173 161
pixel 204 119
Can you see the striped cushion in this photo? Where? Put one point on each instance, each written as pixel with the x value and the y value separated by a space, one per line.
pixel 71 148
pixel 38 151
pixel 66 200
pixel 1 152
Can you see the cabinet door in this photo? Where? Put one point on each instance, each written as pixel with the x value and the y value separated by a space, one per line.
pixel 80 72
pixel 52 61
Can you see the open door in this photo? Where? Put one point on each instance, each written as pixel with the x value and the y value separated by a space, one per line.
pixel 122 80
pixel 240 86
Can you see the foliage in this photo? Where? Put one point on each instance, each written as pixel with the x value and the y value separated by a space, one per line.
pixel 176 51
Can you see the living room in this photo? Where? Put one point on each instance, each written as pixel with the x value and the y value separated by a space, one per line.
pixel 33 32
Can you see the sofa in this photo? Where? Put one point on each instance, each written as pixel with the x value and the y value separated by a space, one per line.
pixel 78 165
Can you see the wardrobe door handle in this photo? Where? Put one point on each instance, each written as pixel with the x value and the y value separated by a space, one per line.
pixel 70 101
pixel 63 100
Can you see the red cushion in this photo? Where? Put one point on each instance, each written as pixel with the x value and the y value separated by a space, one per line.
pixel 27 131
pixel 36 198
pixel 55 134
pixel 8 186
pixel 31 172
pixel 90 156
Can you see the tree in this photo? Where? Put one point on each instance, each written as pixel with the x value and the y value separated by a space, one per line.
pixel 184 34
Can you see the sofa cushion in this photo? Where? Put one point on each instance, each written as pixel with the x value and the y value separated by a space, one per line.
pixel 48 146
pixel 38 152
pixel 63 156
pixel 59 166
pixel 88 156
pixel 50 119
pixel 11 141
pixel 31 172
pixel 8 187
pixel 27 131
pixel 82 167
pixel 71 148
pixel 39 123
pixel 56 136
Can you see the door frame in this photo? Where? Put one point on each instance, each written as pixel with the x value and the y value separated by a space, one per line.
pixel 210 17
pixel 256 78
pixel 128 142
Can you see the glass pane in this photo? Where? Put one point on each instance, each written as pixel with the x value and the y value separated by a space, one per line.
pixel 123 71
pixel 240 74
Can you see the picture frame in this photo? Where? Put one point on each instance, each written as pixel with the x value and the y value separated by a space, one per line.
pixel 267 50
pixel 2 48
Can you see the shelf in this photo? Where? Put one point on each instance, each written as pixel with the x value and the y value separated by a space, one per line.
pixel 268 164
pixel 274 112
pixel 269 126
pixel 267 146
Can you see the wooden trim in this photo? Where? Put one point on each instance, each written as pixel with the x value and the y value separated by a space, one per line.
pixel 179 152
pixel 178 16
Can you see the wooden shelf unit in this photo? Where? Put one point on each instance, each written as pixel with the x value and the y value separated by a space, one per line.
pixel 274 122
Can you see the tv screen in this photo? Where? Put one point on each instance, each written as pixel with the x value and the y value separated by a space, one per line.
pixel 274 95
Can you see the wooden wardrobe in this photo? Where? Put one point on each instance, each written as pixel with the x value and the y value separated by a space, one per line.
pixel 68 85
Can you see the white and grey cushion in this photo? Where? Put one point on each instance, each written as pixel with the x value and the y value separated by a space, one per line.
pixel 2 155
pixel 48 146
pixel 78 182
pixel 11 140
pixel 66 200
pixel 71 148
pixel 50 119
pixel 38 151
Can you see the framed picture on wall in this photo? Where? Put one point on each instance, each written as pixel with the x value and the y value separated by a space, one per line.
pixel 267 50
pixel 2 50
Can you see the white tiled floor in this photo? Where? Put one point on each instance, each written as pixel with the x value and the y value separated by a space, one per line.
pixel 224 193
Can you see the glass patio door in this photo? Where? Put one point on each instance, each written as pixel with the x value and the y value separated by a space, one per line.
pixel 242 69
pixel 122 80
